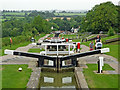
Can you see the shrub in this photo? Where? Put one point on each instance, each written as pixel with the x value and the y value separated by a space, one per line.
pixel 111 32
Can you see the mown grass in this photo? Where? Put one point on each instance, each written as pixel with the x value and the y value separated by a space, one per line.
pixel 100 80
pixel 68 36
pixel 12 78
pixel 35 50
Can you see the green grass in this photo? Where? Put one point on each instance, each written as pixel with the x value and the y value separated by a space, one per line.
pixel 113 50
pixel 0 77
pixel 69 14
pixel 76 40
pixel 35 50
pixel 14 13
pixel 51 35
pixel 100 80
pixel 113 46
pixel 109 37
pixel 68 36
pixel 15 46
pixel 12 78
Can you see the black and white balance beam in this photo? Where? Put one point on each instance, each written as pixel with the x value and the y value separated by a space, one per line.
pixel 34 55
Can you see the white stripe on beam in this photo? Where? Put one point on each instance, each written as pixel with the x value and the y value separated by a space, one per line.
pixel 9 52
pixel 104 50
pixel 34 43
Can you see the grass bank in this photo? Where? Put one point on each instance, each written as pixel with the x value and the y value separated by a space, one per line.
pixel 12 78
pixel 35 50
pixel 68 36
pixel 18 43
pixel 100 80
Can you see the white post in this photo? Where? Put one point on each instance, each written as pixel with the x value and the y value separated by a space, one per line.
pixel 69 49
pixel 100 64
pixel 57 50
pixel 45 49
pixel 63 63
pixel 101 59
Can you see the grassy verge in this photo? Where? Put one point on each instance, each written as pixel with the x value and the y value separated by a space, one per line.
pixel 68 36
pixel 51 35
pixel 15 46
pixel 12 78
pixel 100 80
pixel 35 50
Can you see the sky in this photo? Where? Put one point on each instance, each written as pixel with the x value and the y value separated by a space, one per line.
pixel 51 4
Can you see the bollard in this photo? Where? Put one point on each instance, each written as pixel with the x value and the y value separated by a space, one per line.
pixel 100 64
pixel 78 47
pixel 66 39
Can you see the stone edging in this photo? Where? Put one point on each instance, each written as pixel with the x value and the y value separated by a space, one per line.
pixel 81 82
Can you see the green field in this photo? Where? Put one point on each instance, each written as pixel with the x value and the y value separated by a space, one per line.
pixel 35 50
pixel 69 14
pixel 100 80
pixel 13 13
pixel 12 78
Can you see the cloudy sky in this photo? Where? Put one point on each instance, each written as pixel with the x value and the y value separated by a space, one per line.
pixel 51 4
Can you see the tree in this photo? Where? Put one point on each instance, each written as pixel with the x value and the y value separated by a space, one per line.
pixel 111 32
pixel 100 18
pixel 41 25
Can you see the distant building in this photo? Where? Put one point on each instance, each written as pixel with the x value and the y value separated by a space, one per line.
pixel 74 30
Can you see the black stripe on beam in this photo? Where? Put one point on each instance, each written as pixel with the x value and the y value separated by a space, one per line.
pixel 82 54
pixel 38 43
pixel 32 55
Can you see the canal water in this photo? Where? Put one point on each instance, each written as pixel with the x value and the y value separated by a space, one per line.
pixel 57 80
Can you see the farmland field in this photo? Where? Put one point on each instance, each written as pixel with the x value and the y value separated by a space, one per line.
pixel 69 14
pixel 14 13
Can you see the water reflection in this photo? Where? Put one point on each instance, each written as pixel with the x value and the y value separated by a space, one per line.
pixel 57 80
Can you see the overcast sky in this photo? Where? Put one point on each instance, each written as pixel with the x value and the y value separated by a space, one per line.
pixel 51 4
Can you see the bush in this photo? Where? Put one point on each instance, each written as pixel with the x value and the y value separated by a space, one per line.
pixel 16 40
pixel 111 32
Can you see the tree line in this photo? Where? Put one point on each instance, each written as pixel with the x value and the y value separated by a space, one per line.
pixel 103 17
pixel 27 27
